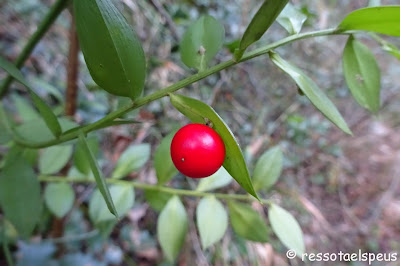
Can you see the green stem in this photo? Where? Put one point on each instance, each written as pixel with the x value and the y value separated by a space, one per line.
pixel 179 85
pixel 173 191
pixel 49 19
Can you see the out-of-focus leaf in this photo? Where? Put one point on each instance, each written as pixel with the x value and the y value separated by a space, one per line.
pixel 59 198
pixel 372 3
pixel 268 169
pixel 219 179
pixel 80 161
pixel 156 199
pixel 80 259
pixel 391 49
pixel 291 19
pixel 165 168
pixel 5 127
pixel 132 159
pixel 35 253
pixel 24 109
pixel 54 158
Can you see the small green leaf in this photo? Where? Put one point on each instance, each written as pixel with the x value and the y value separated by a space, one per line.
pixel 54 159
pixel 286 228
pixel 100 180
pixel 212 221
pixel 45 111
pixel 123 196
pixel 262 20
pixel 391 49
pixel 291 19
pixel 80 161
pixel 24 109
pixel 201 42
pixel 20 195
pixel 382 19
pixel 362 74
pixel 132 159
pixel 234 163
pixel 112 52
pixel 59 198
pixel 219 179
pixel 268 169
pixel 172 226
pixel 165 168
pixel 247 223
pixel 312 92
pixel 156 199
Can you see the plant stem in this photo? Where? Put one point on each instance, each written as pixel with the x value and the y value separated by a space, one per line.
pixel 173 191
pixel 179 85
pixel 49 19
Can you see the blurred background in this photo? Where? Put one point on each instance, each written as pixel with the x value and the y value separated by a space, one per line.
pixel 344 190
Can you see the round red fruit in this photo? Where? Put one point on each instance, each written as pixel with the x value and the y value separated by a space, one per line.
pixel 197 150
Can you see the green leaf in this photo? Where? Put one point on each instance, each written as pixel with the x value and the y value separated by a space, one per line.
pixel 291 19
pixel 112 52
pixel 391 49
pixel 44 110
pixel 172 226
pixel 24 109
pixel 123 196
pixel 247 223
pixel 132 159
pixel 54 158
pixel 100 180
pixel 234 163
pixel 312 92
pixel 80 161
pixel 286 228
pixel 59 198
pixel 362 74
pixel 382 19
pixel 20 195
pixel 262 20
pixel 5 127
pixel 157 199
pixel 212 221
pixel 268 169
pixel 165 168
pixel 219 179
pixel 201 42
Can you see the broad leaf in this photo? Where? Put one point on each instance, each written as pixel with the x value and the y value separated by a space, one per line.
pixel 219 179
pixel 80 161
pixel 199 112
pixel 201 42
pixel 24 109
pixel 172 226
pixel 112 52
pixel 132 159
pixel 247 223
pixel 212 221
pixel 100 180
pixel 156 199
pixel 312 92
pixel 382 19
pixel 268 169
pixel 59 198
pixel 20 195
pixel 262 20
pixel 291 19
pixel 165 168
pixel 286 228
pixel 54 158
pixel 362 74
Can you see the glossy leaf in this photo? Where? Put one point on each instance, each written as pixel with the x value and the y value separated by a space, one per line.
pixel 123 197
pixel 59 198
pixel 165 168
pixel 132 159
pixel 262 20
pixel 45 111
pixel 201 42
pixel 24 109
pixel 219 179
pixel 312 92
pixel 172 226
pixel 156 199
pixel 100 180
pixel 80 161
pixel 362 74
pixel 20 195
pixel 247 223
pixel 212 221
pixel 112 51
pixel 268 169
pixel 286 228
pixel 382 19
pixel 291 19
pixel 54 158
pixel 234 163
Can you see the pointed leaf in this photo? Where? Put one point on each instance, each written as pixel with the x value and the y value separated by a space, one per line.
pixel 59 198
pixel 54 158
pixel 201 42
pixel 165 168
pixel 172 226
pixel 219 179
pixel 312 92
pixel 234 163
pixel 112 51
pixel 362 74
pixel 80 161
pixel 286 228
pixel 268 169
pixel 382 19
pixel 132 159
pixel 291 19
pixel 212 221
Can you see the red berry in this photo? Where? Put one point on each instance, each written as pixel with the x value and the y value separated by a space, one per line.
pixel 197 150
